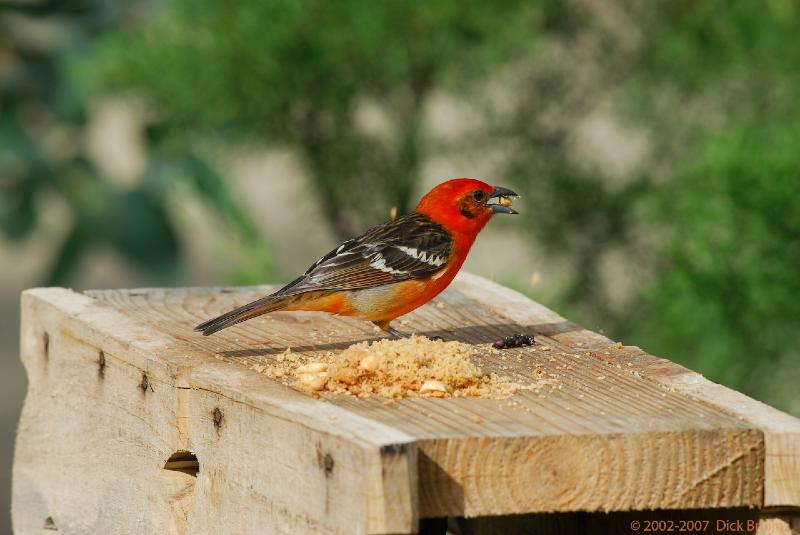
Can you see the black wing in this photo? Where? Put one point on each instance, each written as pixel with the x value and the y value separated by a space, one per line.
pixel 410 247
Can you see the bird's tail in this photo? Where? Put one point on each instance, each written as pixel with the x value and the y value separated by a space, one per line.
pixel 264 305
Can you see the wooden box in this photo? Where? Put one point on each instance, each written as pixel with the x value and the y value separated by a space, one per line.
pixel 133 423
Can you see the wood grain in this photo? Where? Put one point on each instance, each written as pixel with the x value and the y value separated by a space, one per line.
pixel 781 431
pixel 602 429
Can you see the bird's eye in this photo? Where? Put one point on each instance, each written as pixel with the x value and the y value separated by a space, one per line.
pixel 479 195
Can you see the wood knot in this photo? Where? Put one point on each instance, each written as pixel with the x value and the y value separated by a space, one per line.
pixel 101 365
pixel 325 462
pixel 49 524
pixel 217 416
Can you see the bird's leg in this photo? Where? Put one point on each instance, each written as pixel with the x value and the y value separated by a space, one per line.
pixel 397 334
pixel 385 326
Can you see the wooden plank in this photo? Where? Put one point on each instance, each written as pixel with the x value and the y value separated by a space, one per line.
pixel 607 417
pixel 92 444
pixel 781 431
pixel 86 440
pixel 603 432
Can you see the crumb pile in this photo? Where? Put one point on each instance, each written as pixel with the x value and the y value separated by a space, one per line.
pixel 413 366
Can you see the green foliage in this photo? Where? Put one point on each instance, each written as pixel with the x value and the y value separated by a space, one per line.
pixel 720 95
pixel 700 43
pixel 37 98
pixel 294 71
pixel 730 293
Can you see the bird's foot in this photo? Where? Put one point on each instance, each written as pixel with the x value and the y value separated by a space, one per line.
pixel 399 334
pixel 387 328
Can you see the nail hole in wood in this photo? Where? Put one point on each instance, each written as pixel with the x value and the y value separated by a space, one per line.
pixel 217 415
pixel 183 461
pixel 46 344
pixel 50 524
pixel 324 461
pixel 101 365
pixel 146 385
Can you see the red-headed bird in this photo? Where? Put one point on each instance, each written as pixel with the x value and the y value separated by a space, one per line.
pixel 393 268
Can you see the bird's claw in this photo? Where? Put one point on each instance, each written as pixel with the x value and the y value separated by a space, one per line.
pixel 395 333
pixel 400 335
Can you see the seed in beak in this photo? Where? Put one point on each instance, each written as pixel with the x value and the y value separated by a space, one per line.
pixel 506 201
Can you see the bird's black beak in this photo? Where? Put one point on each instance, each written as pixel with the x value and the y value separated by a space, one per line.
pixel 505 196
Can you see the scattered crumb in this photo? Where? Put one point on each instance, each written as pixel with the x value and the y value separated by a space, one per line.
pixel 414 366
pixel 439 304
pixel 619 345
pixel 538 372
pixel 478 420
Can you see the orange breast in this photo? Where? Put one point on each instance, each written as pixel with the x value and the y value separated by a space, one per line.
pixel 393 300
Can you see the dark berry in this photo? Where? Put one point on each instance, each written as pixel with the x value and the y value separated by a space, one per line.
pixel 499 344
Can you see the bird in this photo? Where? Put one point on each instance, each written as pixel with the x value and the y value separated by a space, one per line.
pixel 393 268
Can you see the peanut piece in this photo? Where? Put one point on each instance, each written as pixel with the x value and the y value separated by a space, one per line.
pixel 432 387
pixel 369 363
pixel 312 367
pixel 313 381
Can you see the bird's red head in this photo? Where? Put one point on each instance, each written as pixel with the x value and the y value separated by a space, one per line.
pixel 463 205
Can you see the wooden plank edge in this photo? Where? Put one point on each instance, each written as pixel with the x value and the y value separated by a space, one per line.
pixel 781 431
pixel 169 363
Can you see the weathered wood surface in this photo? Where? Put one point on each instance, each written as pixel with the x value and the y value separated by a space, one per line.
pixel 119 383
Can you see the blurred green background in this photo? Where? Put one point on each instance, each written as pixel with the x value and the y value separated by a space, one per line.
pixel 656 145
